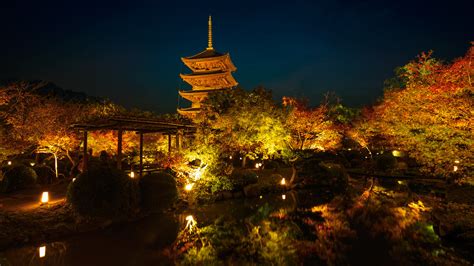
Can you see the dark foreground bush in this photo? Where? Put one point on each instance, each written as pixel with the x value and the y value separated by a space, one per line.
pixel 17 177
pixel 272 165
pixel 103 192
pixel 242 178
pixel 324 174
pixel 158 191
pixel 385 162
pixel 45 174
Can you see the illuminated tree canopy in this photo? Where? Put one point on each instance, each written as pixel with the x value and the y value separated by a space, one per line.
pixel 430 115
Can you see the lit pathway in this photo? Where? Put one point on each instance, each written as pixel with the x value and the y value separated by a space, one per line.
pixel 29 199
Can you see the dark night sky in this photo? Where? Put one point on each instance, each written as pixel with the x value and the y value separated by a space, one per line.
pixel 130 52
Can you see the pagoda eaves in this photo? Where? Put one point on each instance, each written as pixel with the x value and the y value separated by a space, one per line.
pixel 211 72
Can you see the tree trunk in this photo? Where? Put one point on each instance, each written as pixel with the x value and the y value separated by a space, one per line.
pixel 244 161
pixel 293 173
pixel 56 164
pixel 370 153
pixel 69 157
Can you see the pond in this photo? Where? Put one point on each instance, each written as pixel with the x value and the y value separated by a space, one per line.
pixel 143 242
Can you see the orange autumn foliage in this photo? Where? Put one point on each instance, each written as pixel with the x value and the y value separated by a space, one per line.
pixel 430 115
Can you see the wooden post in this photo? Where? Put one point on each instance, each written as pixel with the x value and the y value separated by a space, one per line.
pixel 177 142
pixel 141 154
pixel 169 144
pixel 179 139
pixel 119 150
pixel 85 155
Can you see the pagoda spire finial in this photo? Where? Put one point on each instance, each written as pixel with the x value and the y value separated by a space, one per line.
pixel 209 34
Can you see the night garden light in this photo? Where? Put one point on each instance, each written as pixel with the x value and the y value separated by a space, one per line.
pixel 44 197
pixel 188 187
pixel 42 251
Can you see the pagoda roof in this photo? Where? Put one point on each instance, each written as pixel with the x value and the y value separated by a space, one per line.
pixel 199 92
pixel 191 95
pixel 216 79
pixel 191 111
pixel 208 53
pixel 206 74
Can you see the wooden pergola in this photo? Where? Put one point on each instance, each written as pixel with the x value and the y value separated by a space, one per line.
pixel 136 124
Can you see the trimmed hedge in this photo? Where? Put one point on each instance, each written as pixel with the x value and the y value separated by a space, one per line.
pixel 158 191
pixel 242 178
pixel 385 162
pixel 17 177
pixel 45 174
pixel 103 192
pixel 324 174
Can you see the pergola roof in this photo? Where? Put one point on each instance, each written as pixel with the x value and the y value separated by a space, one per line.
pixel 138 124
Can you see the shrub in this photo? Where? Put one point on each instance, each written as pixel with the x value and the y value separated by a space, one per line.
pixel 272 165
pixel 103 192
pixel 158 191
pixel 324 174
pixel 386 162
pixel 18 177
pixel 243 178
pixel 206 189
pixel 45 174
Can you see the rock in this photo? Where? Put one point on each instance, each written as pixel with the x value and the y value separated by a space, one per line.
pixel 402 166
pixel 227 194
pixel 252 191
pixel 238 194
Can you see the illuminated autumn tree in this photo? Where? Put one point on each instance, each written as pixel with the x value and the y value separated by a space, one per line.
pixel 431 114
pixel 311 128
pixel 35 118
pixel 246 122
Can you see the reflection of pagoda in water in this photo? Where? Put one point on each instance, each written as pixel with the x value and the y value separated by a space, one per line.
pixel 211 72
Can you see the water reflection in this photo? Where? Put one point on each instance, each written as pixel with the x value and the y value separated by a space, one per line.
pixel 144 242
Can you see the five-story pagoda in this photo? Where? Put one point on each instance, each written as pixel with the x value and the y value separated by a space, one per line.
pixel 211 72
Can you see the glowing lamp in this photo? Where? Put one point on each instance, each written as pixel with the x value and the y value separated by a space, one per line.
pixel 9 162
pixel 261 196
pixel 240 158
pixel 455 168
pixel 349 149
pixel 74 179
pixel 456 161
pixel 230 157
pixel 190 222
pixel 42 251
pixel 45 197
pixel 283 181
pixel 396 153
pixel 188 187
pixel 283 197
pixel 32 164
pixel 132 174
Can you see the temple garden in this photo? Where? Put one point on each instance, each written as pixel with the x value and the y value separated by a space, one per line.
pixel 246 180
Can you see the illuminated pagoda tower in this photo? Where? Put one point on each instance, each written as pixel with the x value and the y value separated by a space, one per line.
pixel 211 72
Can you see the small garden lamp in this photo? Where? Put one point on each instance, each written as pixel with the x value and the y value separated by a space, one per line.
pixel 44 197
pixel 42 251
pixel 188 187
pixel 283 182
pixel 190 223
